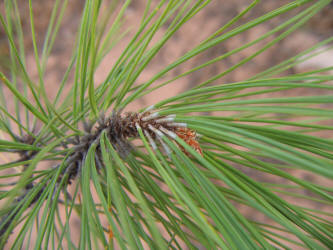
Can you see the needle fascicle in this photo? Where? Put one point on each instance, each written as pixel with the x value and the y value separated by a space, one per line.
pixel 168 132
pixel 169 118
pixel 177 124
pixel 151 107
pixel 159 136
pixel 150 139
pixel 150 117
pixel 155 130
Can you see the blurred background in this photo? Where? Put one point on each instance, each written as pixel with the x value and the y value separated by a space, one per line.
pixel 213 16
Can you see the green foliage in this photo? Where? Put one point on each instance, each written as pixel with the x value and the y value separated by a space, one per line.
pixel 147 197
